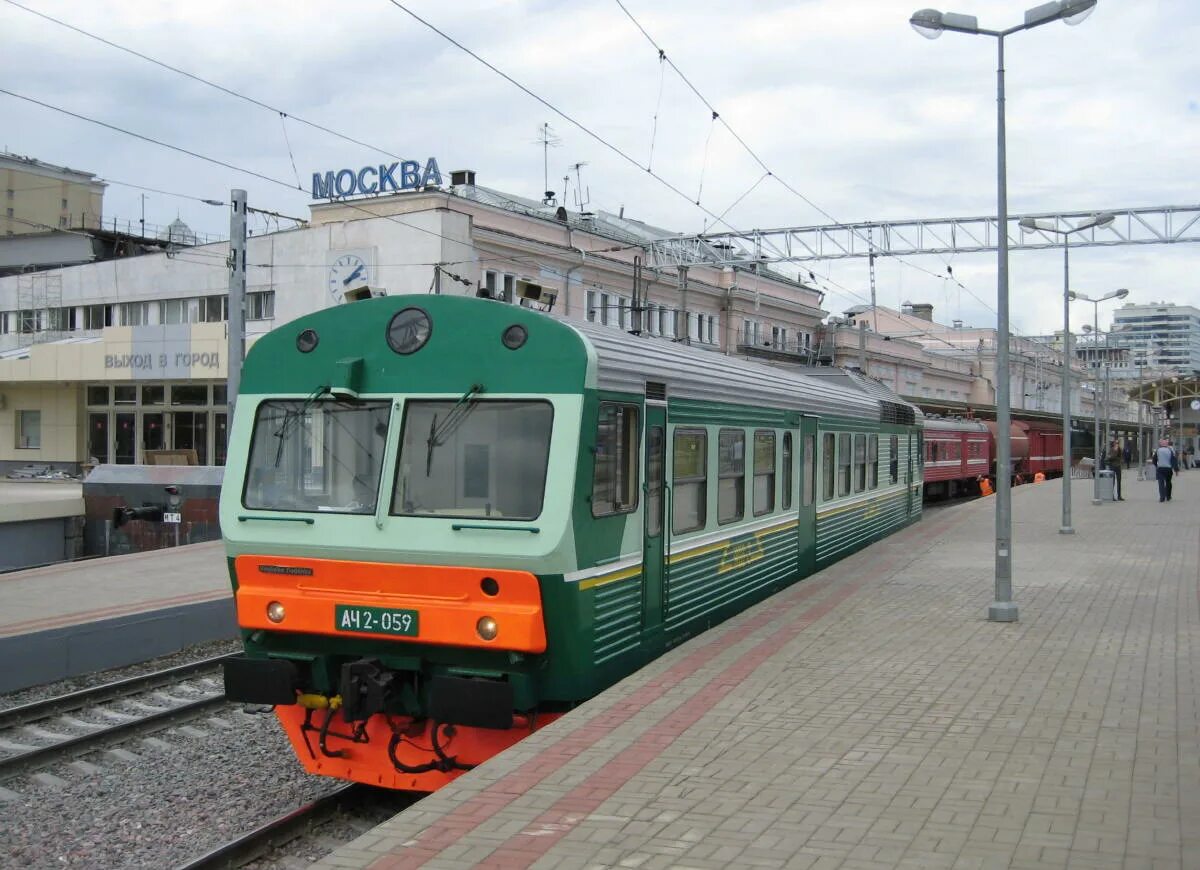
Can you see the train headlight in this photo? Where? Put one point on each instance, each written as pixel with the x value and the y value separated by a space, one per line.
pixel 275 612
pixel 486 628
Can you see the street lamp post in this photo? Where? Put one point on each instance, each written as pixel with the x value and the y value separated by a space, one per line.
pixel 1098 220
pixel 930 23
pixel 1073 295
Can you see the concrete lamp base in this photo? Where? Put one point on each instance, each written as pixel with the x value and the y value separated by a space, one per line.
pixel 1066 530
pixel 1002 611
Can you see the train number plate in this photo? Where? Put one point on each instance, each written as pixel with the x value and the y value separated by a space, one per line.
pixel 375 620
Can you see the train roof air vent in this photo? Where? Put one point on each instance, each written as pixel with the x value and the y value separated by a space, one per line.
pixel 656 391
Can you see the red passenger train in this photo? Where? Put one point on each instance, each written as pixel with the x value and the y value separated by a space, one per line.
pixel 959 453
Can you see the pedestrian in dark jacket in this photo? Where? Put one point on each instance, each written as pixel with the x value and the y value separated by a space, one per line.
pixel 1114 462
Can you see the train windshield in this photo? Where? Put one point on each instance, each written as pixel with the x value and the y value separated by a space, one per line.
pixel 483 459
pixel 310 455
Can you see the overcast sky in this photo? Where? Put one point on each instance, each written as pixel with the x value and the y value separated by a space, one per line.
pixel 840 98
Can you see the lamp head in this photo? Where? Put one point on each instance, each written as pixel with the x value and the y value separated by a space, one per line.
pixel 1121 294
pixel 930 22
pixel 1072 295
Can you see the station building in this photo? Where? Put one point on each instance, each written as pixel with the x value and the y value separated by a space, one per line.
pixel 123 361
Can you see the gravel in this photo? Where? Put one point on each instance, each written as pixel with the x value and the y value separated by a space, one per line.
pixel 62 687
pixel 178 799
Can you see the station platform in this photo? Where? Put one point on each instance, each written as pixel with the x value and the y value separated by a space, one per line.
pixel 871 717
pixel 72 618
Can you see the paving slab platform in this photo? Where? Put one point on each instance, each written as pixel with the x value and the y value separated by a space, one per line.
pixel 871 717
pixel 76 617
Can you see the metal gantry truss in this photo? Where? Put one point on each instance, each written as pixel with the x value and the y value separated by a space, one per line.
pixel 1154 225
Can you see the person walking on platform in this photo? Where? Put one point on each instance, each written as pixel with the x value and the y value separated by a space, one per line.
pixel 1114 462
pixel 1128 454
pixel 1164 468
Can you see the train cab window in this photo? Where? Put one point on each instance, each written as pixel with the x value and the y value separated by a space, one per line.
pixel 827 456
pixel 872 461
pixel 316 456
pixel 843 458
pixel 787 470
pixel 764 473
pixel 615 480
pixel 810 470
pixel 475 458
pixel 731 475
pixel 893 458
pixel 860 463
pixel 689 480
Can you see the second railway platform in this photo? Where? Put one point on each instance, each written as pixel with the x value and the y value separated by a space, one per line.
pixel 871 717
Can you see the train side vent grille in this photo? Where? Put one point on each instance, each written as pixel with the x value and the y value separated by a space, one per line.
pixel 656 391
pixel 894 412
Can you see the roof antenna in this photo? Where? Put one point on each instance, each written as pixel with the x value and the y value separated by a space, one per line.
pixel 583 196
pixel 548 139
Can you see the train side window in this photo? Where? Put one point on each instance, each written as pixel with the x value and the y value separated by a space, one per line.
pixel 827 454
pixel 615 479
pixel 731 475
pixel 787 470
pixel 843 457
pixel 894 458
pixel 933 451
pixel 689 480
pixel 860 463
pixel 764 472
pixel 810 469
pixel 872 461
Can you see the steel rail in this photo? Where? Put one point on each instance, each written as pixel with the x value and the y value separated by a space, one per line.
pixel 40 756
pixel 278 832
pixel 37 710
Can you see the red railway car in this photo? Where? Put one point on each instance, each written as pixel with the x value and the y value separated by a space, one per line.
pixel 957 453
pixel 1045 449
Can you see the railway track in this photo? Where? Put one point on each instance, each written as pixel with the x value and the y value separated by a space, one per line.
pixel 349 799
pixel 44 732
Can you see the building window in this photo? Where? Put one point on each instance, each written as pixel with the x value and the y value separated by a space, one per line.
pixel 260 305
pixel 29 429
pixel 64 205
pixel 615 478
pixel 690 480
pixel 97 316
pixel 26 321
pixel 731 476
pixel 62 222
pixel 9 212
pixel 764 473
pixel 591 306
pixel 135 313
pixel 213 309
pixel 173 311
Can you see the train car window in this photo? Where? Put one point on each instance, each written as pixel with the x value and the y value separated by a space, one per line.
pixel 860 463
pixel 933 451
pixel 764 473
pixel 810 470
pixel 827 455
pixel 479 459
pixel 615 479
pixel 894 458
pixel 787 470
pixel 689 481
pixel 872 461
pixel 316 456
pixel 843 463
pixel 731 475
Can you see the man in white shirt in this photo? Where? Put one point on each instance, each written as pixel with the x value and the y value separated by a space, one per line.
pixel 1164 469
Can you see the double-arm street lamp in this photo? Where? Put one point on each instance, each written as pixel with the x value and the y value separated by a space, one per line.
pixel 1047 226
pixel 1073 296
pixel 930 23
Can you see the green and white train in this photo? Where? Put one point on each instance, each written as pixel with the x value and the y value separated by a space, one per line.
pixel 449 520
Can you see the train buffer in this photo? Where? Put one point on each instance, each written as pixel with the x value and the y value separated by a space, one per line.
pixel 872 716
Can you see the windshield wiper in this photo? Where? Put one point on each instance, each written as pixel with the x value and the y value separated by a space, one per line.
pixel 438 434
pixel 292 416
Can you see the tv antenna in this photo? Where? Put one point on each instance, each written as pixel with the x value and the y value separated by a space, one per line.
pixel 548 139
pixel 583 196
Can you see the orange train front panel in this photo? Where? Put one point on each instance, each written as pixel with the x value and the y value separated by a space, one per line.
pixel 437 604
pixel 368 760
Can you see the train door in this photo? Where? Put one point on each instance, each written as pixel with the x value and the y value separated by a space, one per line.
pixel 807 535
pixel 655 547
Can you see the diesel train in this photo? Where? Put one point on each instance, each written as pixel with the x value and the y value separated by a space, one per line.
pixel 449 520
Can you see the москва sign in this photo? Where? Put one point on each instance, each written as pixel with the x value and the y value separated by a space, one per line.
pixel 371 179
